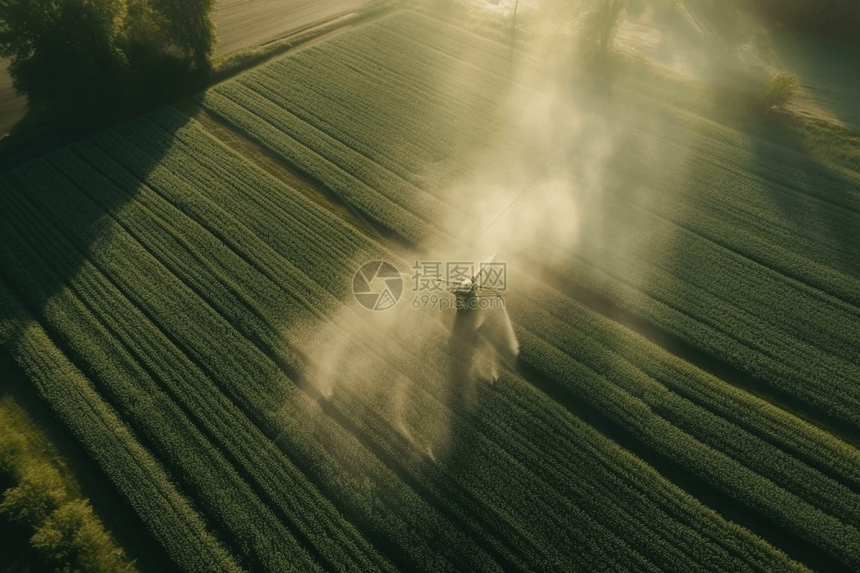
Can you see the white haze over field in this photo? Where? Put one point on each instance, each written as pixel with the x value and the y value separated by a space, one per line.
pixel 539 181
pixel 535 120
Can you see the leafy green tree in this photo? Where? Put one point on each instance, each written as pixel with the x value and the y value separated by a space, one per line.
pixel 64 52
pixel 39 492
pixel 68 54
pixel 72 535
pixel 779 90
pixel 188 26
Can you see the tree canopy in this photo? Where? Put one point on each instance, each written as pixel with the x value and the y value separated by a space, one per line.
pixel 100 52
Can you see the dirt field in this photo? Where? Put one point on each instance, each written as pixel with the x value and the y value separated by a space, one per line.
pixel 243 23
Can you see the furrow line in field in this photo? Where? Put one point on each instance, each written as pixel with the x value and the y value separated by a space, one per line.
pixel 422 72
pixel 131 468
pixel 507 437
pixel 415 121
pixel 363 163
pixel 837 539
pixel 369 202
pixel 711 429
pixel 747 286
pixel 757 357
pixel 342 157
pixel 382 145
pixel 818 448
pixel 222 494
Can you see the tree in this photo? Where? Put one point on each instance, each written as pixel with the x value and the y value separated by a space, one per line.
pixel 68 54
pixel 597 57
pixel 779 90
pixel 39 492
pixel 64 53
pixel 189 26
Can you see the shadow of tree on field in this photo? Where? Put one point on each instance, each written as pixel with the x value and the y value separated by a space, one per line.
pixel 49 221
pixel 33 198
pixel 813 211
pixel 785 157
pixel 80 66
pixel 714 43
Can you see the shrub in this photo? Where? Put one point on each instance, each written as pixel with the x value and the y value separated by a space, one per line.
pixel 779 90
pixel 39 493
pixel 90 53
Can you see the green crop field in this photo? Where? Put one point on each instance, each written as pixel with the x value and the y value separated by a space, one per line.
pixel 686 395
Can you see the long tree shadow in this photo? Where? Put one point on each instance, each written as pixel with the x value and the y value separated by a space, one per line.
pixel 54 210
pixel 813 195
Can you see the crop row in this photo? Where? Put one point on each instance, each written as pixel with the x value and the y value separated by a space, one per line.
pixel 251 330
pixel 713 323
pixel 390 65
pixel 258 307
pixel 359 397
pixel 489 60
pixel 379 209
pixel 817 448
pixel 456 42
pixel 258 298
pixel 233 202
pixel 755 217
pixel 805 314
pixel 513 427
pixel 328 461
pixel 126 351
pixel 398 136
pixel 272 342
pixel 392 162
pixel 765 208
pixel 422 69
pixel 715 431
pixel 626 484
pixel 536 523
pixel 752 157
pixel 137 475
pixel 349 155
pixel 723 472
pixel 472 87
pixel 346 87
pixel 822 269
pixel 272 346
pixel 552 530
pixel 419 374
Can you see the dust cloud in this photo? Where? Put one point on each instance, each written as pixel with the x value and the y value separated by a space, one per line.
pixel 539 178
